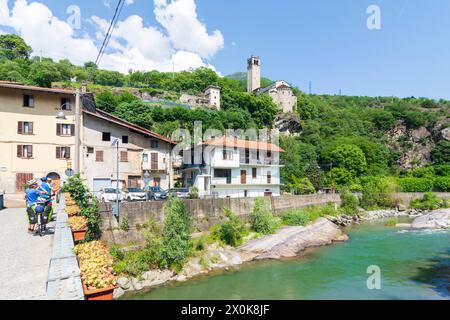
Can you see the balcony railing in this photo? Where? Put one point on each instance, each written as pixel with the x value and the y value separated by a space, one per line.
pixel 160 166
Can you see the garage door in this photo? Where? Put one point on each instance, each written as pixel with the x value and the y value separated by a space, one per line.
pixel 99 184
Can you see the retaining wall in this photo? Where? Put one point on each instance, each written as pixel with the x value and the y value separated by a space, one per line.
pixel 205 213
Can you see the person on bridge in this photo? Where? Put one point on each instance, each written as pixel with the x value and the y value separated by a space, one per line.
pixel 48 208
pixel 32 194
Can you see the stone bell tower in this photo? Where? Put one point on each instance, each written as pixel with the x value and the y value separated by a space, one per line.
pixel 253 73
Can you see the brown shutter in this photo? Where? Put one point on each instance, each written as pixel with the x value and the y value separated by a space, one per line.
pixel 58 129
pixel 19 151
pixel 123 156
pixel 154 161
pixel 72 129
pixel 20 127
pixel 58 152
pixel 99 156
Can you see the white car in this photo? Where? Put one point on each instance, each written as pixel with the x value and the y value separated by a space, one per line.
pixel 135 194
pixel 110 195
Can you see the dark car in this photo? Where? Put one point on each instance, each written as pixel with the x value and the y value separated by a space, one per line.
pixel 179 193
pixel 155 193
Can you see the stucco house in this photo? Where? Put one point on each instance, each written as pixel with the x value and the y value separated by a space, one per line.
pixel 234 168
pixel 33 142
pixel 144 156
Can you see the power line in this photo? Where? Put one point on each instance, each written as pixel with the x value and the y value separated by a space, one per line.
pixel 112 25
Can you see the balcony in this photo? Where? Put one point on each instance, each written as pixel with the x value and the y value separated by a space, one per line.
pixel 261 162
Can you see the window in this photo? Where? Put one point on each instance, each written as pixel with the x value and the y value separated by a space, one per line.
pixel 24 151
pixel 28 101
pixel 145 158
pixel 227 155
pixel 25 127
pixel 223 173
pixel 245 193
pixel 106 136
pixel 62 152
pixel 65 129
pixel 254 173
pixel 99 156
pixel 154 144
pixel 90 150
pixel 65 104
pixel 269 177
pixel 124 139
pixel 123 156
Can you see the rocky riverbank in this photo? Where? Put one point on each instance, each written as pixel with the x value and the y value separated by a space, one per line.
pixel 438 219
pixel 285 243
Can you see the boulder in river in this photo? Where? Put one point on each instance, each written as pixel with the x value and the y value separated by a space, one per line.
pixel 289 241
pixel 438 219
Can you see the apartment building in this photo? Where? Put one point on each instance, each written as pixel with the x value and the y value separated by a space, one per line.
pixel 143 156
pixel 33 141
pixel 235 168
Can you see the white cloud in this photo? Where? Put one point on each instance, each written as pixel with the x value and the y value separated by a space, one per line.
pixel 107 3
pixel 186 32
pixel 133 45
pixel 129 2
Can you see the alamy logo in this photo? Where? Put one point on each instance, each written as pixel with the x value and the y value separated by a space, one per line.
pixel 374 280
pixel 374 19
pixel 74 19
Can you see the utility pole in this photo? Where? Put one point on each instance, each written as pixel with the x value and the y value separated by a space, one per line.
pixel 77 131
pixel 116 209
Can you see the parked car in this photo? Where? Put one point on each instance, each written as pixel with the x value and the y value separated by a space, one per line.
pixel 109 195
pixel 135 194
pixel 155 193
pixel 180 193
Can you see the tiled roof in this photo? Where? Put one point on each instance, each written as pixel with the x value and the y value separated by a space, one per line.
pixel 110 118
pixel 18 86
pixel 247 144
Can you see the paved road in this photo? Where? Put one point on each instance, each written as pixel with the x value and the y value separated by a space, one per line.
pixel 24 258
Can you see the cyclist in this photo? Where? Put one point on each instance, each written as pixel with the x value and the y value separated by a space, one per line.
pixel 32 194
pixel 48 208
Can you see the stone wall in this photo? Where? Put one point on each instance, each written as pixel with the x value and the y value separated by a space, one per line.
pixel 406 197
pixel 205 212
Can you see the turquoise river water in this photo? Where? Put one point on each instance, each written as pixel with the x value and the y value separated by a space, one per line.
pixel 413 264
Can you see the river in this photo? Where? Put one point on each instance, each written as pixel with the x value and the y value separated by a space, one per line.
pixel 413 265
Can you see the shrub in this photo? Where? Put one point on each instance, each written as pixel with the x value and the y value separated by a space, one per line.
pixel 391 222
pixel 125 224
pixel 193 193
pixel 349 203
pixel 416 184
pixel 176 233
pixel 232 230
pixel 295 218
pixel 430 201
pixel 301 186
pixel 377 192
pixel 261 218
pixel 116 253
pixel 442 184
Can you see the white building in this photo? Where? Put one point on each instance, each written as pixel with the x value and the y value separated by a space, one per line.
pixel 144 156
pixel 280 91
pixel 235 168
pixel 210 98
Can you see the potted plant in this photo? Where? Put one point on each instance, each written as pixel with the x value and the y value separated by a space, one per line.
pixel 96 270
pixel 78 224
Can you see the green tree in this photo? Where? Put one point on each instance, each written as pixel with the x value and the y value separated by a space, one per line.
pixel 44 73
pixel 13 47
pixel 349 157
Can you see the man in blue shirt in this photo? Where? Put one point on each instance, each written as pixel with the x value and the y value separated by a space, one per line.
pixel 31 196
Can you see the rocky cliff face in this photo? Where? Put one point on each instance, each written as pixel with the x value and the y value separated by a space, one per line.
pixel 415 146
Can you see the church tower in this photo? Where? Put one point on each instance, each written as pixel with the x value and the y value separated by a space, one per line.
pixel 253 73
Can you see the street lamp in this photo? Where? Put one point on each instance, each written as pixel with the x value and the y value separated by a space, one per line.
pixel 62 116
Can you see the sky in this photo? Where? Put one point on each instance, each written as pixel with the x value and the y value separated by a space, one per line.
pixel 325 42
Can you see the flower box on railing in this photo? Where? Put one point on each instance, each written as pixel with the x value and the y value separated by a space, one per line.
pixel 98 294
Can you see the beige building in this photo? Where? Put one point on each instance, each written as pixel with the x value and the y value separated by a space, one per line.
pixel 33 142
pixel 280 91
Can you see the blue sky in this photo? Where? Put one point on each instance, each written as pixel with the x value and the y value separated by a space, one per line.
pixel 323 41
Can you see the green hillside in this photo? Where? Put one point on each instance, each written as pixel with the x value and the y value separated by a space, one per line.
pixel 344 142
